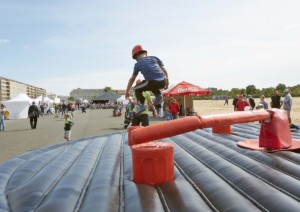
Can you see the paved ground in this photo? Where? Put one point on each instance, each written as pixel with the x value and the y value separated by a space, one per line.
pixel 19 138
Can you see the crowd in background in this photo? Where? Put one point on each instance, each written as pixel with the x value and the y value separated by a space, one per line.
pixel 242 103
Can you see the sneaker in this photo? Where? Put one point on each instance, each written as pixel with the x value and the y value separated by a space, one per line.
pixel 158 99
pixel 141 109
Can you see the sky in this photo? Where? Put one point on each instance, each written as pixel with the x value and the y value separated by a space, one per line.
pixel 63 45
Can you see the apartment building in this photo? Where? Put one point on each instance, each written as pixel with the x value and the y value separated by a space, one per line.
pixel 10 88
pixel 86 93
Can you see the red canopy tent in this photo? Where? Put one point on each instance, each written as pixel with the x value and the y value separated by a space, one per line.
pixel 186 89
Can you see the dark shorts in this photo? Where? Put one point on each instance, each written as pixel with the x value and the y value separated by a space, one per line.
pixel 148 85
pixel 137 120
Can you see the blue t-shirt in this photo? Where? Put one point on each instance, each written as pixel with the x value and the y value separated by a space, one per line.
pixel 150 68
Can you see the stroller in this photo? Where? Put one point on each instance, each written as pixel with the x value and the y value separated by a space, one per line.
pixel 127 120
pixel 83 109
pixel 128 115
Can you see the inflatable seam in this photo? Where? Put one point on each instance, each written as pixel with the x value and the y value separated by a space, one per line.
pixel 37 170
pixel 257 204
pixel 162 198
pixel 255 159
pixel 252 173
pixel 88 181
pixel 198 190
pixel 35 207
pixel 121 180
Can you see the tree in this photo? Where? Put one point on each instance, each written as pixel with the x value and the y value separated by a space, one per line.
pixel 251 89
pixel 280 87
pixel 71 98
pixel 234 92
pixel 267 92
pixel 107 89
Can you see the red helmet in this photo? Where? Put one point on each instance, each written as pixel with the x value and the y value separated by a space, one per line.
pixel 137 49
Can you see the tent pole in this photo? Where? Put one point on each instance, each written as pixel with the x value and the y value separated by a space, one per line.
pixel 184 105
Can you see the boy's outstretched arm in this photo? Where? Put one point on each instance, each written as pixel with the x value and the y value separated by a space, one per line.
pixel 167 78
pixel 129 85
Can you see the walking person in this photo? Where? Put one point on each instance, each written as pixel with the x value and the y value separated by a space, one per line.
pixel 287 104
pixel 174 108
pixel 263 102
pixel 2 112
pixel 68 126
pixel 251 102
pixel 226 100
pixel 275 100
pixel 55 110
pixel 63 108
pixel 241 104
pixel 33 114
pixel 235 100
pixel 155 74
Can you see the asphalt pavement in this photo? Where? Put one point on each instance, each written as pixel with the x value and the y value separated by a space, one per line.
pixel 19 137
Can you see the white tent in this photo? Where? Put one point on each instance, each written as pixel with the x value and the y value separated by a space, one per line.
pixel 18 106
pixel 40 100
pixel 123 100
pixel 56 100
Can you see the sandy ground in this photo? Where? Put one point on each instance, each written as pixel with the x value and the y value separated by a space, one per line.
pixel 19 138
pixel 204 107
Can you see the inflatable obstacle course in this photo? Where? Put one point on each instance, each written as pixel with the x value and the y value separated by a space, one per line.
pixel 211 173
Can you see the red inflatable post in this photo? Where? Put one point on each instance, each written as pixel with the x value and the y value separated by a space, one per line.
pixel 276 133
pixel 129 131
pixel 153 162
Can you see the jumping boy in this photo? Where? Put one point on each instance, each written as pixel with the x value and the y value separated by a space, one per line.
pixel 156 77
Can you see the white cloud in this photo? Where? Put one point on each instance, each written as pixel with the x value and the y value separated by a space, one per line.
pixel 4 40
pixel 292 26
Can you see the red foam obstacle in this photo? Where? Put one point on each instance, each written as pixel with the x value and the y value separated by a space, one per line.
pixel 223 129
pixel 165 129
pixel 129 130
pixel 153 163
pixel 233 118
pixel 187 124
pixel 275 134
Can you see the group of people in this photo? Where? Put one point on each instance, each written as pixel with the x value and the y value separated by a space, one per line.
pixel 241 103
pixel 34 113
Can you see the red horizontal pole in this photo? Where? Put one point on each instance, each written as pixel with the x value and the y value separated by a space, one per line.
pixel 187 124
pixel 233 118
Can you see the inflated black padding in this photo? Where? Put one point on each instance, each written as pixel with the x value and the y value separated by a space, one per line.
pixel 211 174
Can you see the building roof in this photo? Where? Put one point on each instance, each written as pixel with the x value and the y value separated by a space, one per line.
pixel 107 96
pixel 211 174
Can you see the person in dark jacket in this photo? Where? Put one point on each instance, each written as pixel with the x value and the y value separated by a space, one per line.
pixel 251 102
pixel 276 100
pixel 235 100
pixel 33 114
